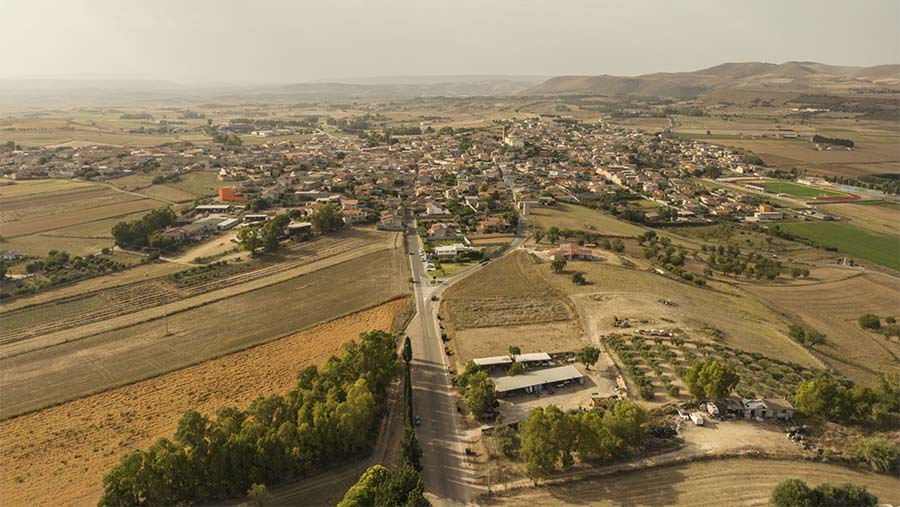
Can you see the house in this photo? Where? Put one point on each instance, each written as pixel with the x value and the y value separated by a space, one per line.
pixel 571 251
pixel 779 408
pixel 434 210
pixel 229 194
pixel 350 203
pixel 441 230
pixel 353 216
pixel 391 221
pixel 451 250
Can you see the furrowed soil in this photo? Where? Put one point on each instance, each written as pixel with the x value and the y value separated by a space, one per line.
pixel 43 375
pixel 58 456
pixel 733 481
pixel 509 303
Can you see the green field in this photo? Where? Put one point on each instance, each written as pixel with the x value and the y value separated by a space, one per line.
pixel 879 248
pixel 797 190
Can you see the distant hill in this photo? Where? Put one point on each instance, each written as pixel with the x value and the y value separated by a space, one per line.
pixel 790 76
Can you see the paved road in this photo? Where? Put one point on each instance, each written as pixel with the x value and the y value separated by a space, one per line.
pixel 448 477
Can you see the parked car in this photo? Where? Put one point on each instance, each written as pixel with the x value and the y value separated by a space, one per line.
pixel 418 421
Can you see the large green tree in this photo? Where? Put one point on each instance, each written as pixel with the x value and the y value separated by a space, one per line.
pixel 710 380
pixel 328 218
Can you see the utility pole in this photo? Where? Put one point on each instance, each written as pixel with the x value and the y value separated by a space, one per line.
pixel 166 318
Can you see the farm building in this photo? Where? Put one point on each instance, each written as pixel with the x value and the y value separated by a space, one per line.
pixel 213 208
pixel 571 251
pixel 297 228
pixel 535 380
pixel 256 219
pixel 531 359
pixel 769 408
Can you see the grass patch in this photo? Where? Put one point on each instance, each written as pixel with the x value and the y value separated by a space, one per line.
pixel 580 218
pixel 878 248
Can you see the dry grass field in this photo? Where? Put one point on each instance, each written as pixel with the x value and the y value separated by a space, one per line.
pixel 509 292
pixel 720 313
pixel 135 346
pixel 58 456
pixel 882 218
pixel 733 481
pixel 831 302
pixel 579 218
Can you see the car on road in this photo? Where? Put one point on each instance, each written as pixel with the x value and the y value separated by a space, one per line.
pixel 418 421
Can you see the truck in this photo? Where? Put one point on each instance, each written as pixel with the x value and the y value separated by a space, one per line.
pixel 697 418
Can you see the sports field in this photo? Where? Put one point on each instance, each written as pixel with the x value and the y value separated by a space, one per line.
pixel 881 249
pixel 797 190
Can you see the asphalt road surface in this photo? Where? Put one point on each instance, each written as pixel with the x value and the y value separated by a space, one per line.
pixel 448 477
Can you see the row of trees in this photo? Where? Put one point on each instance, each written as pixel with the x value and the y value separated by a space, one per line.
pixel 327 218
pixel 551 438
pixel 382 487
pixel 144 231
pixel 842 401
pixel 330 415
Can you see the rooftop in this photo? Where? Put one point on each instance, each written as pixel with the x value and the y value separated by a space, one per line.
pixel 537 377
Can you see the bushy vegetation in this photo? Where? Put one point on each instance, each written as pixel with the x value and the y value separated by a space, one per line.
pixel 144 232
pixel 840 400
pixel 833 140
pixel 869 321
pixel 379 486
pixel 329 416
pixel 551 438
pixel 478 389
pixel 327 218
pixel 710 380
pixel 59 267
pixel 795 493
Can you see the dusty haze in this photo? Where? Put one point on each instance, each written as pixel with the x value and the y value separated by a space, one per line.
pixel 242 42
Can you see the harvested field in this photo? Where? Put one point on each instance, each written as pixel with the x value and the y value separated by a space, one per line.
pixel 500 311
pixel 135 346
pixel 167 193
pixel 720 313
pixel 495 341
pixel 508 291
pixel 42 463
pixel 832 306
pixel 579 218
pixel 129 299
pixel 733 481
pixel 881 218
pixel 11 188
pixel 199 183
pixel 82 215
pixel 508 303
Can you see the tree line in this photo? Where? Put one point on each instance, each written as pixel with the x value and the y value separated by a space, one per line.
pixel 551 439
pixel 837 141
pixel 144 232
pixel 330 415
pixel 380 486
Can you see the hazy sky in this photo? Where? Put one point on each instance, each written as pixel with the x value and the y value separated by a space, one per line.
pixel 234 41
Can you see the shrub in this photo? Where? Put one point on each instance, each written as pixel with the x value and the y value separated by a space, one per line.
pixel 869 321
pixel 881 454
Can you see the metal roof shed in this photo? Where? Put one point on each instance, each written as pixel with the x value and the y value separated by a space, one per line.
pixel 537 378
